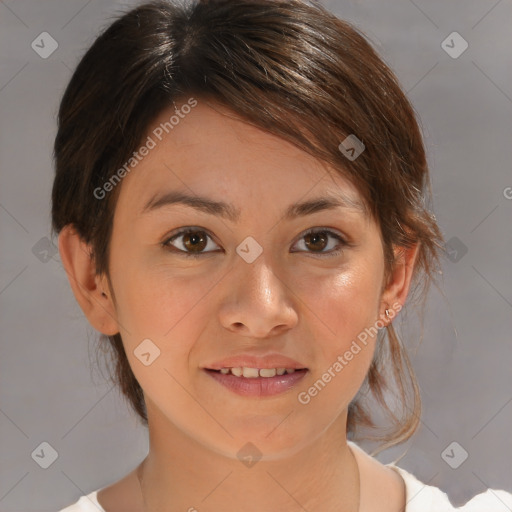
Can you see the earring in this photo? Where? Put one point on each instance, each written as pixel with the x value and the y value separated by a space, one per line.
pixel 387 313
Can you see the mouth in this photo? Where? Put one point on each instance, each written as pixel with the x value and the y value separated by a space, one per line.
pixel 254 373
pixel 257 382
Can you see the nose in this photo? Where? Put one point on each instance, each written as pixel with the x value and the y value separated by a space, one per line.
pixel 257 302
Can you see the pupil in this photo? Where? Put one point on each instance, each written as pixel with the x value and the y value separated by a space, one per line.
pixel 315 237
pixel 195 240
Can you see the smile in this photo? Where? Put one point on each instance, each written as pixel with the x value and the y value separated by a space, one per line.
pixel 257 382
pixel 254 373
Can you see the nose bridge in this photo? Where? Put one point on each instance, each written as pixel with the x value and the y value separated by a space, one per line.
pixel 256 300
pixel 258 275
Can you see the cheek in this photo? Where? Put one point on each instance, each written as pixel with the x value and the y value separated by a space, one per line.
pixel 345 304
pixel 344 309
pixel 163 308
pixel 152 298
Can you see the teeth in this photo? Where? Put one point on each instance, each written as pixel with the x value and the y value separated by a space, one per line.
pixel 253 373
pixel 236 371
pixel 250 373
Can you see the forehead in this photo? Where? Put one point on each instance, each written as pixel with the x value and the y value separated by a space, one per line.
pixel 208 149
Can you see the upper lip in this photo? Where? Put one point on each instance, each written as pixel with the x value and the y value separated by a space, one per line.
pixel 249 361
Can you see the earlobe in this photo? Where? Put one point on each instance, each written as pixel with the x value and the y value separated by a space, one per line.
pixel 91 290
pixel 399 281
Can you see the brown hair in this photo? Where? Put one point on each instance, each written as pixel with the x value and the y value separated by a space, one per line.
pixel 288 67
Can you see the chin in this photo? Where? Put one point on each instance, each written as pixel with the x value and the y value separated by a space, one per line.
pixel 263 439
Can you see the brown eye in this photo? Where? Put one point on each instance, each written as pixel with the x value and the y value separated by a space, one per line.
pixel 195 241
pixel 190 242
pixel 318 240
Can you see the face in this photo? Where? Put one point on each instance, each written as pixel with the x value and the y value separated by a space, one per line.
pixel 244 280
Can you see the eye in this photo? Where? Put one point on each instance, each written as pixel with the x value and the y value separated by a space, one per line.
pixel 194 240
pixel 318 240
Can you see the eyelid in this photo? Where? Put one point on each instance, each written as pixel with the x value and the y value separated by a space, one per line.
pixel 325 229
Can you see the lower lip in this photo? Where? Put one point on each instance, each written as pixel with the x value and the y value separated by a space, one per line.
pixel 259 386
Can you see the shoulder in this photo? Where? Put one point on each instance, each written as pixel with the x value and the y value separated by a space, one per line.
pixel 421 497
pixel 121 496
pixel 87 503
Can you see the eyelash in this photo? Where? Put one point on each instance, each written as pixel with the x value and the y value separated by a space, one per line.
pixel 332 253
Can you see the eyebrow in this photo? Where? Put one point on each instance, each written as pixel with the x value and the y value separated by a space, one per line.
pixel 231 213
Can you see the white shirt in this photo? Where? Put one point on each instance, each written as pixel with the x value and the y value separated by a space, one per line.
pixel 419 498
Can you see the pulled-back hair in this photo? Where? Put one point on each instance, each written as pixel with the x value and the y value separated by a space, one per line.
pixel 291 68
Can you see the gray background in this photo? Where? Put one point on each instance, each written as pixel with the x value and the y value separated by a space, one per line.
pixel 51 391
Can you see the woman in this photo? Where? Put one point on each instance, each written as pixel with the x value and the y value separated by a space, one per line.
pixel 241 197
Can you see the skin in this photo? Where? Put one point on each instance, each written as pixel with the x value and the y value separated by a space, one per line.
pixel 294 299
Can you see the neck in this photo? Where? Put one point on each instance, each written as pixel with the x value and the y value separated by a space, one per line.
pixel 180 474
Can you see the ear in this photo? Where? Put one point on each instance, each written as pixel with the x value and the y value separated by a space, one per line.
pixel 91 290
pixel 399 281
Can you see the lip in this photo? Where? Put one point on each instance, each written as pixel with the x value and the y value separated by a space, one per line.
pixel 249 361
pixel 259 386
